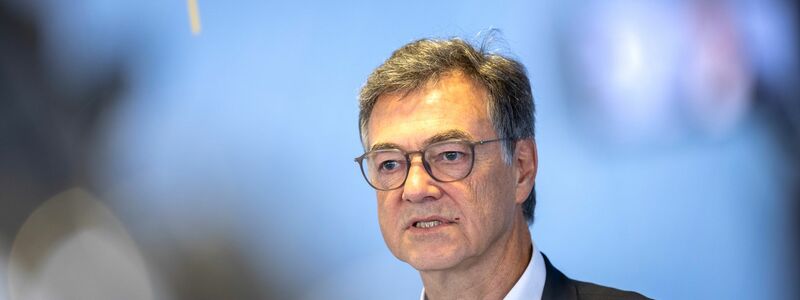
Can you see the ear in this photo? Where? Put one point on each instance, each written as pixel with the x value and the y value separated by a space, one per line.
pixel 526 162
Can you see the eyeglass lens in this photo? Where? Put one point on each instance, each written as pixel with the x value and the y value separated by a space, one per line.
pixel 387 169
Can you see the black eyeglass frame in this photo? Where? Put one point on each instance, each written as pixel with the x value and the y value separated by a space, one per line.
pixel 425 163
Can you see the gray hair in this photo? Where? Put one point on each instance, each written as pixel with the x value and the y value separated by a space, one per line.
pixel 424 61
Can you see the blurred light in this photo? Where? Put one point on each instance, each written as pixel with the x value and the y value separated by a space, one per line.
pixel 658 71
pixel 629 56
pixel 194 16
pixel 624 55
pixel 718 82
pixel 72 247
pixel 769 30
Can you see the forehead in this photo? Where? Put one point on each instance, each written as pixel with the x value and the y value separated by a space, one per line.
pixel 452 103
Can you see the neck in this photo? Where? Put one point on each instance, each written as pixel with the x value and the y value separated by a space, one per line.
pixel 489 276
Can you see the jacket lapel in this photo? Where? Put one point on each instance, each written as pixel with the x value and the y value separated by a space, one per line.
pixel 556 284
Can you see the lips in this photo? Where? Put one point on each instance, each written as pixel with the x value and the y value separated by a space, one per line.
pixel 429 222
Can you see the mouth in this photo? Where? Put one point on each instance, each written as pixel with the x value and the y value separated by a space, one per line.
pixel 430 222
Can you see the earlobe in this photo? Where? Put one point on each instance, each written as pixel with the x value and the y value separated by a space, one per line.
pixel 527 162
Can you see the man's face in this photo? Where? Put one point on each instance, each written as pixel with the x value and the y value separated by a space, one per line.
pixel 475 213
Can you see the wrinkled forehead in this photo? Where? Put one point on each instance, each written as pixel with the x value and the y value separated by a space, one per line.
pixel 409 119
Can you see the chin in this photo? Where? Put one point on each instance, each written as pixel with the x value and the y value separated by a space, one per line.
pixel 432 260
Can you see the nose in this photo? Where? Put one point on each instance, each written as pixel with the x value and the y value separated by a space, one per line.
pixel 420 186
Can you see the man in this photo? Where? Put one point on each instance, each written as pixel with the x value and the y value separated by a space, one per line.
pixel 449 140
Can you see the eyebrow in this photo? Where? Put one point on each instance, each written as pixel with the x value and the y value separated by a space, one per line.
pixel 384 146
pixel 452 134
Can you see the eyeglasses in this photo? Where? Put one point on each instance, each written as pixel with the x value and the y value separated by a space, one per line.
pixel 447 161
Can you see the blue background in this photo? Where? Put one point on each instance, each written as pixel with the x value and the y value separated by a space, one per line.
pixel 247 131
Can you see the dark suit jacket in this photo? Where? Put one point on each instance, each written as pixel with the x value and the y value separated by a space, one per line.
pixel 558 286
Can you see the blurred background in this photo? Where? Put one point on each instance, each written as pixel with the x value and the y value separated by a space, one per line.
pixel 144 158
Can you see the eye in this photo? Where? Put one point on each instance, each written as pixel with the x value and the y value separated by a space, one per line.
pixel 389 165
pixel 452 156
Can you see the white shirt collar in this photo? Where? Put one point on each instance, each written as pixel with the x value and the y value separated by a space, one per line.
pixel 530 285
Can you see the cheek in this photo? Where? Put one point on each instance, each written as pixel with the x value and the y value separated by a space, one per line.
pixel 387 212
pixel 485 203
pixel 493 200
pixel 471 204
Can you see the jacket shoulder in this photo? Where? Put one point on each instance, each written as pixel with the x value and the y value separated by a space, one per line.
pixel 586 290
pixel 558 286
